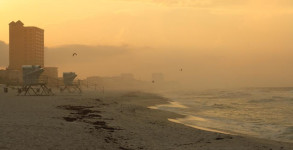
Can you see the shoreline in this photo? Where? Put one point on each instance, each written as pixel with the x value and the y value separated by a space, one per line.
pixel 175 104
pixel 202 128
pixel 120 120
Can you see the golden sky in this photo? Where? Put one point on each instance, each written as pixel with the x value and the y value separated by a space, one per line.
pixel 151 22
pixel 247 42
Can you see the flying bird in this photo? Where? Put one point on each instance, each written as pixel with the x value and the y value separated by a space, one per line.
pixel 74 54
pixel 181 69
pixel 153 81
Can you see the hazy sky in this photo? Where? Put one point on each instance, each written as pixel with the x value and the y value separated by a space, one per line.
pixel 219 41
pixel 153 22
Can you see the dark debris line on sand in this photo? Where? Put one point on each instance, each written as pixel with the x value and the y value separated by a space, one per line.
pixel 84 112
pixel 89 115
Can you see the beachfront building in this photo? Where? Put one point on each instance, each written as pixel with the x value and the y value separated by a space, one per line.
pixel 26 46
pixel 10 76
pixel 51 72
pixel 50 75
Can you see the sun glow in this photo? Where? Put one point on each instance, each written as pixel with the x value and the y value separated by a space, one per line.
pixel 3 4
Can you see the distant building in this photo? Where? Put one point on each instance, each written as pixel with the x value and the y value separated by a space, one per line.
pixel 124 81
pixel 26 46
pixel 10 76
pixel 51 72
pixel 50 75
pixel 95 80
pixel 2 76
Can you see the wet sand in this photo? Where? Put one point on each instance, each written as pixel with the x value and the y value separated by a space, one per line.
pixel 115 120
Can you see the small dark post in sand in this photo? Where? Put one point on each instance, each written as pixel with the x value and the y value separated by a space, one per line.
pixel 5 89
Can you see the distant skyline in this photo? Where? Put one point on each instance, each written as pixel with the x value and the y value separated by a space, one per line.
pixel 216 42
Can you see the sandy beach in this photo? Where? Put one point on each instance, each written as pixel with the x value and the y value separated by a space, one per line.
pixel 114 120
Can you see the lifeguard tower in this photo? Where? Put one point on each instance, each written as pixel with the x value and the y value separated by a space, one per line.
pixel 69 84
pixel 32 84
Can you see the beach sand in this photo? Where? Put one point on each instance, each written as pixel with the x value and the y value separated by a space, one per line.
pixel 114 120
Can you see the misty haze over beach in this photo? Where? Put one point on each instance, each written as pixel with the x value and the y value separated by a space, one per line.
pixel 203 69
pixel 146 74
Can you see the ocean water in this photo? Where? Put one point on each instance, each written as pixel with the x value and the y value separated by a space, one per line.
pixel 259 112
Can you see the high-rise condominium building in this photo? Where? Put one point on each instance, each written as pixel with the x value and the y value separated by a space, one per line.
pixel 26 46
